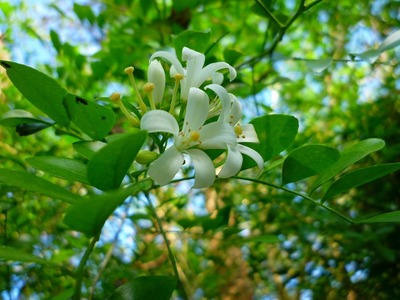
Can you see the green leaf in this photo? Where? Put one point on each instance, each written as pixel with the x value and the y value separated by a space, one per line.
pixel 89 215
pixel 88 149
pixel 55 39
pixel 13 254
pixel 41 90
pixel 18 116
pixel 307 161
pixel 196 40
pixel 275 132
pixel 392 41
pixel 268 238
pixel 109 165
pixel 146 288
pixel 359 177
pixel 318 65
pixel 370 55
pixel 61 167
pixel 93 119
pixel 348 157
pixel 390 217
pixel 30 182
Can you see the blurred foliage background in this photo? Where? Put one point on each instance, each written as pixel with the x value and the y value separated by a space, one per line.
pixel 301 251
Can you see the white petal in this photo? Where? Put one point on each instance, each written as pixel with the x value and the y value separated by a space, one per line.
pixel 196 110
pixel 156 75
pixel 203 167
pixel 249 135
pixel 217 135
pixel 232 164
pixel 253 154
pixel 224 97
pixel 195 62
pixel 210 69
pixel 235 112
pixel 164 168
pixel 159 121
pixel 170 58
pixel 217 78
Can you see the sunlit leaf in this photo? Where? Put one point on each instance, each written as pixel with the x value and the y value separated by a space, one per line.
pixel 359 177
pixel 390 217
pixel 307 161
pixel 146 288
pixel 109 165
pixel 41 90
pixel 392 41
pixel 318 65
pixel 61 167
pixel 348 157
pixel 193 39
pixel 88 149
pixel 275 132
pixel 93 119
pixel 30 182
pixel 89 215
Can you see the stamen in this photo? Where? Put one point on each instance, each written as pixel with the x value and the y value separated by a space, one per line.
pixel 178 77
pixel 116 98
pixel 194 136
pixel 129 71
pixel 238 130
pixel 148 88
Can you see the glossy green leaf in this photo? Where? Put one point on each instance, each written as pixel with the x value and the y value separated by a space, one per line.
pixel 390 217
pixel 146 288
pixel 392 41
pixel 88 149
pixel 13 254
pixel 93 119
pixel 30 182
pixel 275 132
pixel 359 177
pixel 41 90
pixel 61 167
pixel 307 161
pixel 18 116
pixel 25 129
pixel 193 39
pixel 89 215
pixel 370 55
pixel 109 165
pixel 348 157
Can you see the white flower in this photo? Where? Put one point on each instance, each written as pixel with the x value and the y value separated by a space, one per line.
pixel 231 114
pixel 156 76
pixel 193 137
pixel 194 74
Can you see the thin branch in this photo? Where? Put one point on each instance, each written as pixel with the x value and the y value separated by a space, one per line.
pixel 167 243
pixel 349 220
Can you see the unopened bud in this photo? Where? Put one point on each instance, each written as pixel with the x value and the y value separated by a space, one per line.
pixel 145 157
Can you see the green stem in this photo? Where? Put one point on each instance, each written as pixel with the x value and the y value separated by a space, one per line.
pixel 167 243
pixel 81 267
pixel 315 202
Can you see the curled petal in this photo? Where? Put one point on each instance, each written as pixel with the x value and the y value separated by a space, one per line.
pixel 156 75
pixel 249 135
pixel 210 69
pixel 195 61
pixel 164 168
pixel 196 110
pixel 253 154
pixel 204 168
pixel 170 58
pixel 217 78
pixel 224 97
pixel 217 135
pixel 235 110
pixel 159 121
pixel 232 164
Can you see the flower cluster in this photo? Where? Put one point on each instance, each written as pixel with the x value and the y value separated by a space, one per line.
pixel 206 124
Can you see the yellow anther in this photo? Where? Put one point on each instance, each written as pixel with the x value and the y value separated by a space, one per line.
pixel 194 136
pixel 129 70
pixel 148 87
pixel 238 130
pixel 115 97
pixel 178 77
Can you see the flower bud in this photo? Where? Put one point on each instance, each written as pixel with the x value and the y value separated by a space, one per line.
pixel 156 75
pixel 145 157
